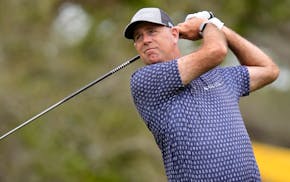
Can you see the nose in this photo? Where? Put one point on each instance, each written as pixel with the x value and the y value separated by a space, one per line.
pixel 147 38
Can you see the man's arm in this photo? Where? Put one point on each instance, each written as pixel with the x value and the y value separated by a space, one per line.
pixel 261 68
pixel 211 53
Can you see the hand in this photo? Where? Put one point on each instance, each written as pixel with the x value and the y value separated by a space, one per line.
pixel 207 15
pixel 190 28
pixel 202 14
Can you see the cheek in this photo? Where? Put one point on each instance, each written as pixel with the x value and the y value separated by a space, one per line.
pixel 168 41
pixel 138 48
pixel 167 46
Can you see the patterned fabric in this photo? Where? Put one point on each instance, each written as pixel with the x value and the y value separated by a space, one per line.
pixel 198 127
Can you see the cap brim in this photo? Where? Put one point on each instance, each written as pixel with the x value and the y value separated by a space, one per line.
pixel 129 30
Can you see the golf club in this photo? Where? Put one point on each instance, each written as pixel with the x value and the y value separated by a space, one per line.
pixel 71 95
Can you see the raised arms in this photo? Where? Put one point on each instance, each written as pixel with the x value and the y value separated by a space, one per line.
pixel 261 68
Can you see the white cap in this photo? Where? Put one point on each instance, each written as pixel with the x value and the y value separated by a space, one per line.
pixel 151 15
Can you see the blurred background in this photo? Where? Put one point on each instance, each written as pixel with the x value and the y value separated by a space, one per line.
pixel 51 48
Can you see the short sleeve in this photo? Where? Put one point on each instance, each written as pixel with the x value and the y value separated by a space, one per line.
pixel 238 79
pixel 152 85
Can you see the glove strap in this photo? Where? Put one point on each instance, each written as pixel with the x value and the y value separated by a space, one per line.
pixel 214 21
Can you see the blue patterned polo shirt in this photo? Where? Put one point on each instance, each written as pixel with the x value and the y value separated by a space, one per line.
pixel 198 127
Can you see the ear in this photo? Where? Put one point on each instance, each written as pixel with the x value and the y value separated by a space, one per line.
pixel 175 33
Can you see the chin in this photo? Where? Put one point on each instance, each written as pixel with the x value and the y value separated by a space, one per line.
pixel 152 60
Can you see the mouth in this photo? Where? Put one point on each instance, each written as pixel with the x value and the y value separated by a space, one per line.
pixel 148 50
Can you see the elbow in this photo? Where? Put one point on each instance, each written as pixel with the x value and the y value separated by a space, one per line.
pixel 218 53
pixel 271 73
pixel 274 72
pixel 264 76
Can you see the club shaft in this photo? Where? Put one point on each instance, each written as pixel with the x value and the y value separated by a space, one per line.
pixel 71 96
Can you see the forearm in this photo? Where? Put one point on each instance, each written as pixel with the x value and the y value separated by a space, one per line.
pixel 247 53
pixel 261 67
pixel 210 54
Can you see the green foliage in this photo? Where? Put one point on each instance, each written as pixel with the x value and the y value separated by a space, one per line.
pixel 98 136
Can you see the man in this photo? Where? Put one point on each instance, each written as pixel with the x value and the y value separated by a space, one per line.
pixel 190 103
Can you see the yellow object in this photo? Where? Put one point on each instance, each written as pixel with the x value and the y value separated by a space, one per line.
pixel 273 162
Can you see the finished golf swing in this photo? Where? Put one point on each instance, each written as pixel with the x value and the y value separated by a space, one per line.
pixel 190 103
pixel 71 96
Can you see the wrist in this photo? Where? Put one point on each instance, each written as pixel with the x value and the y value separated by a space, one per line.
pixel 215 21
pixel 219 24
pixel 202 27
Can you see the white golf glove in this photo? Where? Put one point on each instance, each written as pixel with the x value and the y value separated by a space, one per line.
pixel 210 19
pixel 202 14
pixel 215 21
pixel 219 24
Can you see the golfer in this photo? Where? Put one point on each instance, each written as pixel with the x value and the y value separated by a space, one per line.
pixel 190 103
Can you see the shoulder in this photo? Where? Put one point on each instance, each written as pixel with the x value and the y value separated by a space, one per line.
pixel 155 72
pixel 156 79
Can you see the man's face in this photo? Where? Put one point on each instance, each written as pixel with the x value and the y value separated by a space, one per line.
pixel 155 43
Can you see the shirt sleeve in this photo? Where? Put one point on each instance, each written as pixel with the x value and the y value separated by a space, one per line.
pixel 238 79
pixel 152 85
